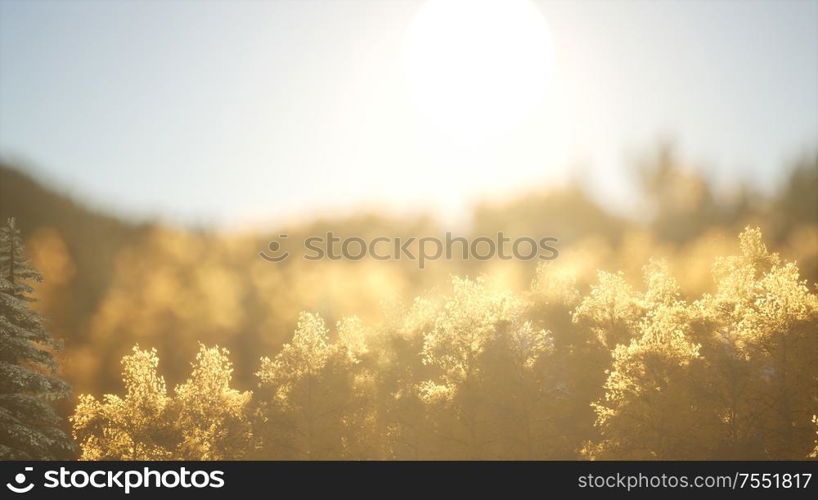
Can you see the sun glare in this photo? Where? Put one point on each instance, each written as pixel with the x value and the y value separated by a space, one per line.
pixel 477 67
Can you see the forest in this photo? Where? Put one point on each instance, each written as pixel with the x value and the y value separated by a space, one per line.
pixel 690 334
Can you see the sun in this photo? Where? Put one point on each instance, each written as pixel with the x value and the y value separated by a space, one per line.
pixel 477 68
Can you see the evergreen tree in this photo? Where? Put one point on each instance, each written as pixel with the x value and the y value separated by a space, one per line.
pixel 29 426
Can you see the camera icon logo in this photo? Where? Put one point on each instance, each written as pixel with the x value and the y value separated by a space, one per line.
pixel 20 478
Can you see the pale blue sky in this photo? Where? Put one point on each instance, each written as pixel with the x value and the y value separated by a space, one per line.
pixel 236 112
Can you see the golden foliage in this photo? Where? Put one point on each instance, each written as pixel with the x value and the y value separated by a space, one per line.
pixel 622 371
pixel 204 421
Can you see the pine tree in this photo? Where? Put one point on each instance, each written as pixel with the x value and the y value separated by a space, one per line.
pixel 29 426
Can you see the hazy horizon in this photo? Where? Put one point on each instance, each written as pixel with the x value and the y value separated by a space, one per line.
pixel 234 113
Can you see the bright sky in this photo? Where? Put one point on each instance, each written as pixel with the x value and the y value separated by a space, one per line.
pixel 229 112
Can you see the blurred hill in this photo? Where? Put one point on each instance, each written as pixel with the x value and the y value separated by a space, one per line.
pixel 111 282
pixel 92 240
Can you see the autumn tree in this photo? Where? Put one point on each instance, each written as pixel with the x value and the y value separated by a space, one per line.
pixel 612 310
pixel 649 408
pixel 473 330
pixel 211 415
pixel 407 427
pixel 30 429
pixel 136 426
pixel 728 376
pixel 758 334
pixel 313 391
pixel 206 419
pixel 576 367
pixel 520 387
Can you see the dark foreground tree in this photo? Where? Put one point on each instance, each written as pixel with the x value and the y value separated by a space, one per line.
pixel 29 426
